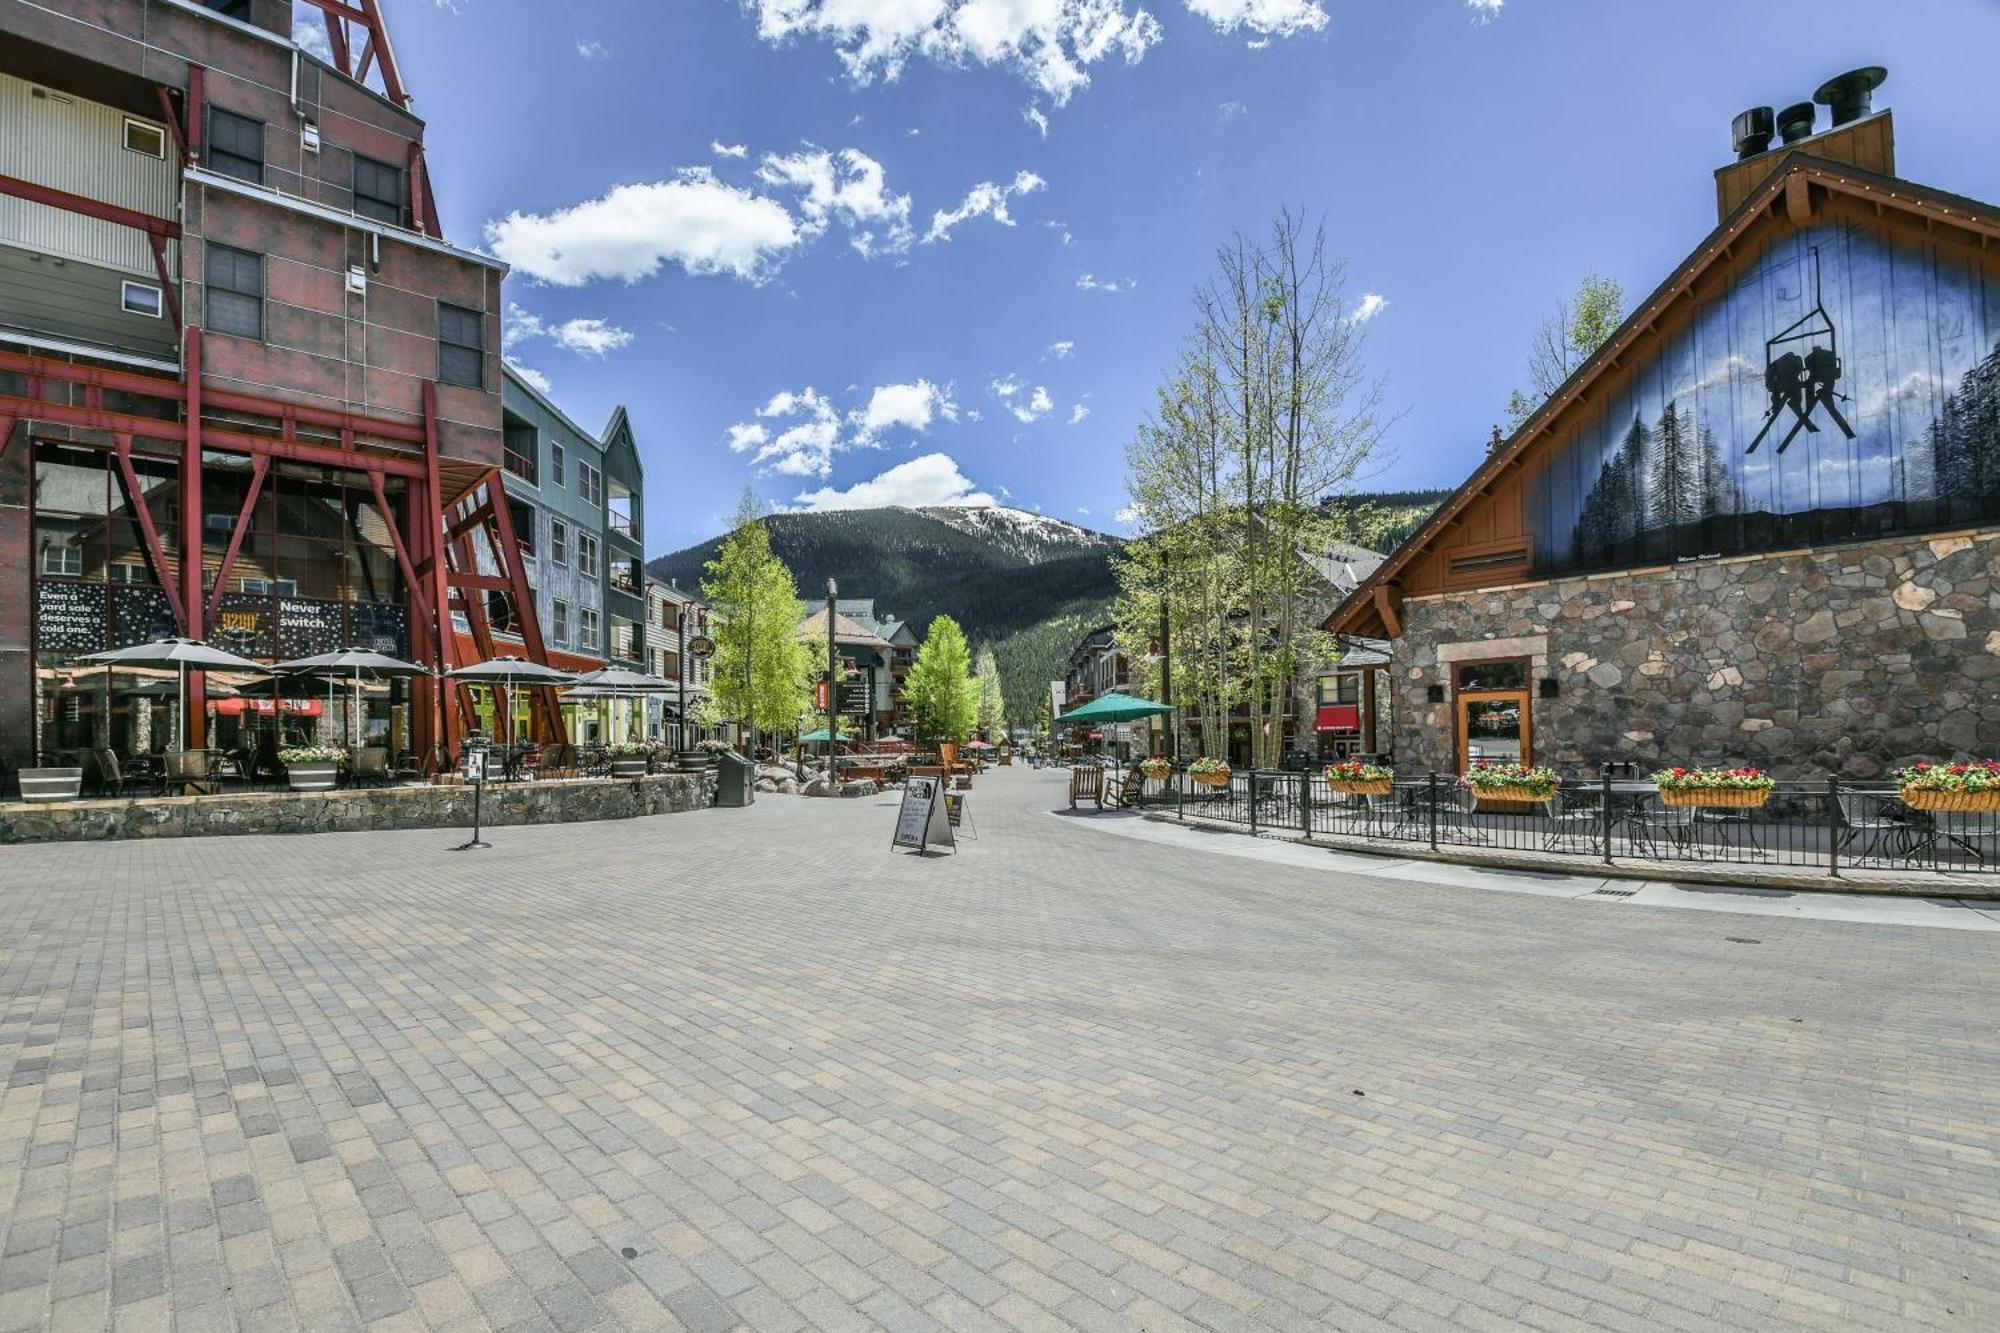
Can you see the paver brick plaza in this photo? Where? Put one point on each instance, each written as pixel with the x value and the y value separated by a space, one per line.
pixel 751 1069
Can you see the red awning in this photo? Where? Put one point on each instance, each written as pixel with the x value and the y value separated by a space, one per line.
pixel 1338 717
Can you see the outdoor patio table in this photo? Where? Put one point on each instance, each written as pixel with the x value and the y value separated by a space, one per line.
pixel 1627 809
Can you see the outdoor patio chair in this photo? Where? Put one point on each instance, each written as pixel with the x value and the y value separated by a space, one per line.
pixel 557 761
pixel 187 769
pixel 371 766
pixel 1660 823
pixel 1086 783
pixel 110 777
pixel 1391 815
pixel 1457 812
pixel 1574 816
pixel 1872 824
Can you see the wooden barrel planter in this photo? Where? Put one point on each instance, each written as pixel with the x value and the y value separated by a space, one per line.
pixel 692 761
pixel 1917 798
pixel 50 784
pixel 1717 798
pixel 630 766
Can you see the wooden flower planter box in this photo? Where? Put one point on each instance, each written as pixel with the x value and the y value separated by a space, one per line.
pixel 1953 802
pixel 1379 788
pixel 1717 798
pixel 1209 779
pixel 1511 795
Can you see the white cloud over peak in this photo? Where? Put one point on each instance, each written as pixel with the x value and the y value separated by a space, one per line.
pixel 850 186
pixel 984 200
pixel 1370 305
pixel 585 336
pixel 929 479
pixel 798 433
pixel 693 220
pixel 1266 18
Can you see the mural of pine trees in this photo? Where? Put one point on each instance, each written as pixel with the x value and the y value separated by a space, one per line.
pixel 1661 478
pixel 1965 436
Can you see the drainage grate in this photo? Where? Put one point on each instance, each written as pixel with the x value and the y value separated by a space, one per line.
pixel 1611 893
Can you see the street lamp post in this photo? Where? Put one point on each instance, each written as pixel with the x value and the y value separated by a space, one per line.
pixel 832 703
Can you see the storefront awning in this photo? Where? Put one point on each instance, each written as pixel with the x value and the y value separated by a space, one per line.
pixel 1338 717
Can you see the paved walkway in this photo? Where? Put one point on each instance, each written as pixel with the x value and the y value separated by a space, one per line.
pixel 751 1069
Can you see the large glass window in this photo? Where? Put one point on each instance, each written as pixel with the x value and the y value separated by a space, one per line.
pixel 235 289
pixel 235 145
pixel 590 483
pixel 461 346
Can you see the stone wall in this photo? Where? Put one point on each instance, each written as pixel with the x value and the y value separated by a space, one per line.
pixel 1851 660
pixel 442 807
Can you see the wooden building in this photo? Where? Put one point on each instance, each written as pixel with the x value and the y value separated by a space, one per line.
pixel 1761 524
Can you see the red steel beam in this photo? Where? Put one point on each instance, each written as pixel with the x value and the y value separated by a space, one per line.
pixel 165 228
pixel 6 433
pixel 259 465
pixel 410 579
pixel 170 291
pixel 213 437
pixel 173 119
pixel 155 552
pixel 197 111
pixel 191 524
pixel 433 516
pixel 418 218
pixel 482 582
pixel 525 618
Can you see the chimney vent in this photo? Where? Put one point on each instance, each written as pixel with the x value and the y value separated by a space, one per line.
pixel 1795 122
pixel 1750 132
pixel 1848 94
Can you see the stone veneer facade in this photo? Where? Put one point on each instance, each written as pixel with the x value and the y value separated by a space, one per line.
pixel 1848 660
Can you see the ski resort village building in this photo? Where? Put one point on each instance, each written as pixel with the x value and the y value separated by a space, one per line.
pixel 1762 523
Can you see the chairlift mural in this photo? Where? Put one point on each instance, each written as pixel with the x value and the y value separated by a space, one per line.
pixel 1845 386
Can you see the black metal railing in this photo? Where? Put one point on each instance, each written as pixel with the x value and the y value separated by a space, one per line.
pixel 1831 826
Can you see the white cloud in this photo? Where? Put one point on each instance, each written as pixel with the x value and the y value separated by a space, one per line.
pixel 1050 43
pixel 721 149
pixel 1485 11
pixel 911 406
pixel 1037 117
pixel 531 375
pixel 930 479
pixel 1371 305
pixel 1062 351
pixel 1266 18
pixel 309 31
pixel 585 336
pixel 984 200
pixel 1090 282
pixel 849 186
pixel 799 433
pixel 1230 110
pixel 1005 387
pixel 1078 413
pixel 693 220
pixel 1039 405
pixel 1128 515
pixel 592 50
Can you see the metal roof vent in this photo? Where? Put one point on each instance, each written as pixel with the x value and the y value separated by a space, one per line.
pixel 1795 122
pixel 1848 95
pixel 1750 134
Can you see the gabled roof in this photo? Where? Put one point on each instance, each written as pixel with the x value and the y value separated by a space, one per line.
pixel 813 628
pixel 1785 192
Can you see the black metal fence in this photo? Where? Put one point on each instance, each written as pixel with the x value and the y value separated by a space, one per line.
pixel 1827 826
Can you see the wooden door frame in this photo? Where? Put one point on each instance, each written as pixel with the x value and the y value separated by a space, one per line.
pixel 1462 737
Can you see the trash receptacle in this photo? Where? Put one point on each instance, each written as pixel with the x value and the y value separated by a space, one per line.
pixel 735 780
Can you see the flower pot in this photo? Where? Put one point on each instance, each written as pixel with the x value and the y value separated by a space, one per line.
pixel 51 784
pixel 1717 798
pixel 1521 795
pixel 633 766
pixel 1917 798
pixel 312 777
pixel 1381 787
pixel 1209 779
pixel 692 761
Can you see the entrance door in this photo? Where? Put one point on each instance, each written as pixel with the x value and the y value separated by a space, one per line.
pixel 1493 728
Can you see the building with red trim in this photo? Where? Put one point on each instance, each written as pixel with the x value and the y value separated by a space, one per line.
pixel 248 391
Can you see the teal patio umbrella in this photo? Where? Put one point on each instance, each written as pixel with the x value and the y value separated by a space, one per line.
pixel 1115 707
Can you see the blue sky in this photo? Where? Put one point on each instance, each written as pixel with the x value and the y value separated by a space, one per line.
pixel 857 251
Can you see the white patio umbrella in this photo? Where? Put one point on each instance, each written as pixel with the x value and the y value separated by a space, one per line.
pixel 348 664
pixel 507 671
pixel 179 654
